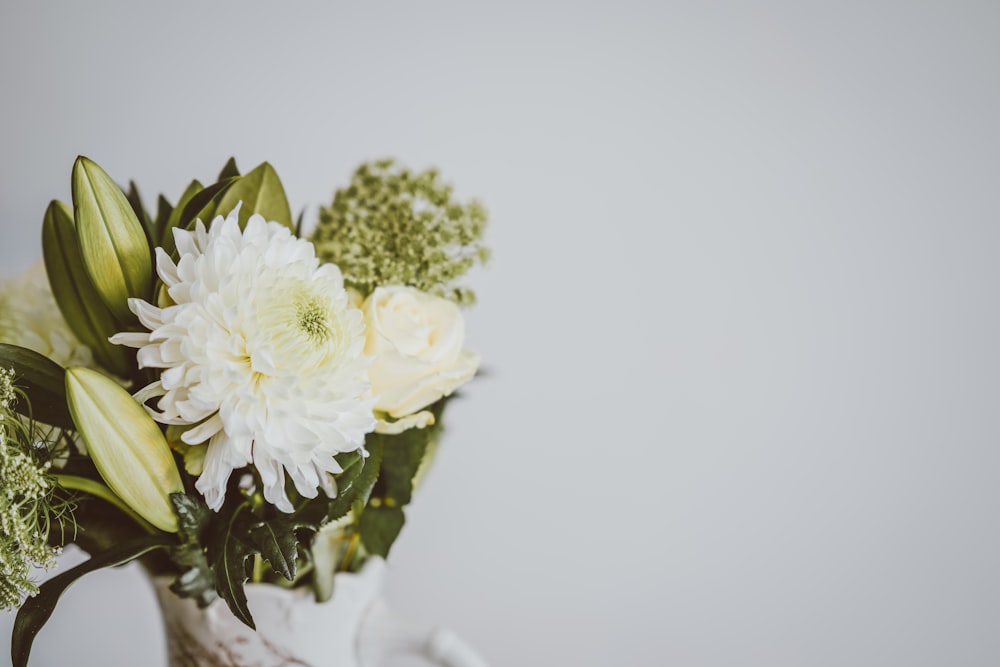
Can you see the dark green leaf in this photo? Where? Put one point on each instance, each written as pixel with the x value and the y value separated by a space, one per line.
pixel 163 212
pixel 351 466
pixel 165 232
pixel 97 525
pixel 276 541
pixel 203 206
pixel 402 458
pixel 193 516
pixel 379 527
pixel 135 200
pixel 228 554
pixel 360 487
pixel 36 610
pixel 261 192
pixel 298 223
pixel 197 582
pixel 230 170
pixel 44 382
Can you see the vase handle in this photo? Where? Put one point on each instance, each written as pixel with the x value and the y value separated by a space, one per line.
pixel 384 633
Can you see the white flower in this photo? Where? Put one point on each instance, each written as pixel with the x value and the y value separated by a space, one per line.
pixel 415 340
pixel 29 317
pixel 262 351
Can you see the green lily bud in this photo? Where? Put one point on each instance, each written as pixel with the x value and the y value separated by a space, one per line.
pixel 125 444
pixel 112 240
pixel 78 299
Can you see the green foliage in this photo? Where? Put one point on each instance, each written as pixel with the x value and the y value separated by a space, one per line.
pixel 35 611
pixel 276 541
pixel 379 527
pixel 43 382
pixel 98 525
pixel 395 227
pixel 261 192
pixel 403 455
pixel 135 201
pixel 78 299
pixel 229 170
pixel 163 212
pixel 193 519
pixel 359 482
pixel 203 205
pixel 229 555
pixel 165 227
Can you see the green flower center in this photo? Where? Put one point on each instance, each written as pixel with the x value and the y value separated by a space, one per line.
pixel 313 318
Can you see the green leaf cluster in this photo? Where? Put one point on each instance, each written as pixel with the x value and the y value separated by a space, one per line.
pixel 404 455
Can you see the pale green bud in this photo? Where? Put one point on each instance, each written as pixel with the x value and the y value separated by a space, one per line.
pixel 125 444
pixel 79 301
pixel 112 240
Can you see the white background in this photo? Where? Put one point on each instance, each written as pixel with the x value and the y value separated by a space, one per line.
pixel 741 327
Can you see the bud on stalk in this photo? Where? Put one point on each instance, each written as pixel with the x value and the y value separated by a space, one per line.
pixel 125 444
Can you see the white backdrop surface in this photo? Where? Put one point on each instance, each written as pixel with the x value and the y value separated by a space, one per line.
pixel 741 327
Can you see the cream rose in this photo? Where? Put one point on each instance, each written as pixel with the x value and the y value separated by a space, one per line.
pixel 415 341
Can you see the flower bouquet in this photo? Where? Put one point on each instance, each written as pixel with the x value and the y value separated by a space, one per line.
pixel 213 393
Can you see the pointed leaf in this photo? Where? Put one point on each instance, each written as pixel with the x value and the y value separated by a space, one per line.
pixel 204 205
pixel 402 458
pixel 163 212
pixel 360 487
pixel 43 380
pixel 261 192
pixel 165 233
pixel 112 240
pixel 197 581
pixel 36 610
pixel 298 223
pixel 135 200
pixel 193 516
pixel 276 540
pixel 379 527
pixel 79 301
pixel 228 555
pixel 230 170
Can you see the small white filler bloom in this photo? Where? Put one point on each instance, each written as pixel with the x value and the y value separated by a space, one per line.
pixel 29 317
pixel 262 353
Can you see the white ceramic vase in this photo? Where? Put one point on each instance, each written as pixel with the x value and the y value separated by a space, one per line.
pixel 353 629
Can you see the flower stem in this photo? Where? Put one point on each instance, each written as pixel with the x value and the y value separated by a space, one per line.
pixel 349 556
pixel 97 489
pixel 258 569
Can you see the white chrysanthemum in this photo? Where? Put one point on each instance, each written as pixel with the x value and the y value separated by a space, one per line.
pixel 262 351
pixel 29 317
